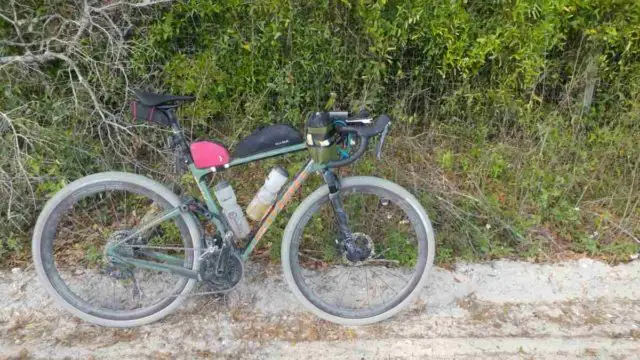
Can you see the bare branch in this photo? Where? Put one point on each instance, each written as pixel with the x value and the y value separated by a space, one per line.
pixel 41 58
pixel 140 4
pixel 18 155
pixel 92 56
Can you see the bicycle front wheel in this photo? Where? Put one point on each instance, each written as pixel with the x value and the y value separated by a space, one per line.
pixel 80 226
pixel 388 224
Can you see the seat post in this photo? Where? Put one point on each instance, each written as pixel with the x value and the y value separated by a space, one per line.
pixel 178 136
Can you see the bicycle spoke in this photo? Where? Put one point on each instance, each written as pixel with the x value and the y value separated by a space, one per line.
pixel 382 279
pixel 385 283
pixel 366 277
pixel 88 227
pixel 341 287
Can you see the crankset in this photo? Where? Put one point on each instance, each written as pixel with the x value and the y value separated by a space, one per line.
pixel 219 277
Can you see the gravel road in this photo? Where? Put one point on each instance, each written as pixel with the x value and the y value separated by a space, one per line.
pixel 499 310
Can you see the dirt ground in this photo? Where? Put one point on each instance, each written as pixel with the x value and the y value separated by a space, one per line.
pixel 499 310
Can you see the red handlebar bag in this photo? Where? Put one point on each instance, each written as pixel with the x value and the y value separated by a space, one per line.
pixel 209 154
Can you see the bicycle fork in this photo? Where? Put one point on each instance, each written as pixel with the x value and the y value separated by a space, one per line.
pixel 354 253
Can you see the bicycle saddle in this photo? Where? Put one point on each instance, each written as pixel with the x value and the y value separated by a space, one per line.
pixel 152 99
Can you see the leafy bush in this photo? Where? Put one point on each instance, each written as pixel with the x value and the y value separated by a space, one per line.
pixel 518 120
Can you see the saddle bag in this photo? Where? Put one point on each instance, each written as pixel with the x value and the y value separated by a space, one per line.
pixel 321 138
pixel 268 138
pixel 149 114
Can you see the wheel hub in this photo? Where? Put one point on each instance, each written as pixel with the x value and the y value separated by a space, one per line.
pixel 112 242
pixel 362 249
pixel 111 267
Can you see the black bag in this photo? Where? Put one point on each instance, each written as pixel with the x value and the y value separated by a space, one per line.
pixel 149 114
pixel 268 138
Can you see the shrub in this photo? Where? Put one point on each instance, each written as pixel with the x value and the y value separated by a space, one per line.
pixel 522 116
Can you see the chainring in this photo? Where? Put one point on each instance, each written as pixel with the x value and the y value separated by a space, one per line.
pixel 230 277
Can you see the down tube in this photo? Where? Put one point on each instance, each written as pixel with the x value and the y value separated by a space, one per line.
pixel 277 208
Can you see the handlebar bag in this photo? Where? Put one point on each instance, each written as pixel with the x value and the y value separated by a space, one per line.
pixel 321 138
pixel 268 138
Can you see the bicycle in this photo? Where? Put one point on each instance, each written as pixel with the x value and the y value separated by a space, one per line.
pixel 120 250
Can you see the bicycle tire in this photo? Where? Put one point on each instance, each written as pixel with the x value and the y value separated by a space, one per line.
pixel 302 215
pixel 47 221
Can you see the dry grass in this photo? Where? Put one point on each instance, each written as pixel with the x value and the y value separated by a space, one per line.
pixel 566 314
pixel 476 216
pixel 293 328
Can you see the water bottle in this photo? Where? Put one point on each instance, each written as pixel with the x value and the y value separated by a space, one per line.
pixel 267 194
pixel 231 210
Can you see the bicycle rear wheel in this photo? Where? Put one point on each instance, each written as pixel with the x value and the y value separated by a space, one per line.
pixel 388 222
pixel 76 226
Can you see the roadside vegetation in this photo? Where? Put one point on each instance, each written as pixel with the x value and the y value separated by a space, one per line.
pixel 517 123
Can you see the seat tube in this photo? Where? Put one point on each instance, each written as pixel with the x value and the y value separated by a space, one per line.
pixel 178 137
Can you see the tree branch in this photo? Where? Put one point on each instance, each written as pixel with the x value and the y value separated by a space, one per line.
pixel 40 58
pixel 140 4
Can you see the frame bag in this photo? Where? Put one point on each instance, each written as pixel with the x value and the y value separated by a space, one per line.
pixel 268 138
pixel 209 154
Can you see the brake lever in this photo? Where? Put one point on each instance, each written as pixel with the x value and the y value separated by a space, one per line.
pixel 381 142
pixel 362 117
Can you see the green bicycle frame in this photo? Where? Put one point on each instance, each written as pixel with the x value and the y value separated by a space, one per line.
pixel 172 264
pixel 199 175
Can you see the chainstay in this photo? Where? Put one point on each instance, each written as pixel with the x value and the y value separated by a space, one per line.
pixel 199 293
pixel 156 247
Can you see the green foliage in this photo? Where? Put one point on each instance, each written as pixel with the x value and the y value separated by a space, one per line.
pixel 499 87
pixel 11 244
pixel 93 255
pixel 167 233
pixel 401 248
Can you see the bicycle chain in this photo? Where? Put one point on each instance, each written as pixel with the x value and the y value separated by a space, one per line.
pixel 201 293
pixel 156 247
